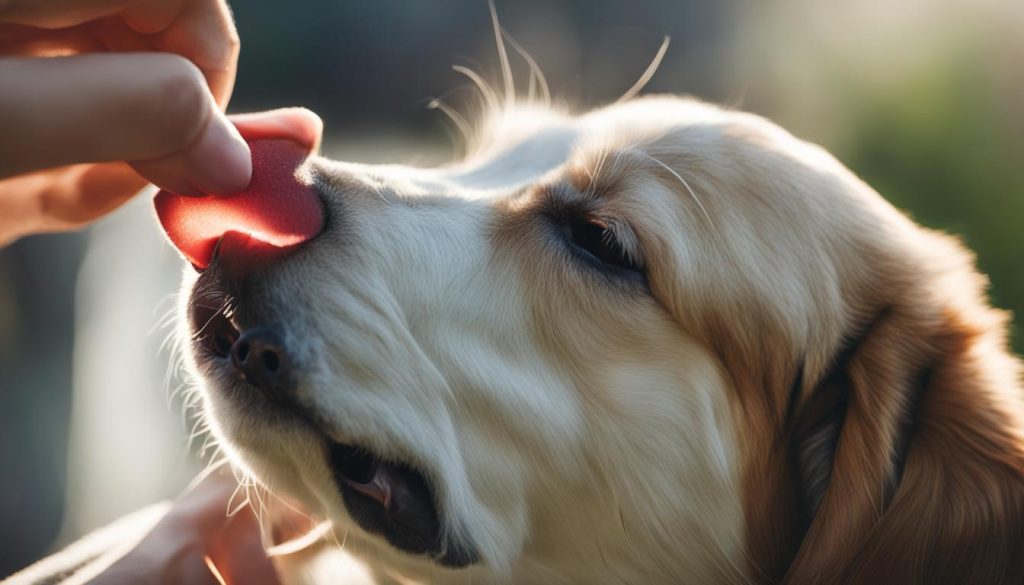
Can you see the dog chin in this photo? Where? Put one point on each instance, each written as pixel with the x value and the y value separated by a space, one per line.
pixel 392 503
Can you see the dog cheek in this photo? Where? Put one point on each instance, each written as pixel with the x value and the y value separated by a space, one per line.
pixel 491 505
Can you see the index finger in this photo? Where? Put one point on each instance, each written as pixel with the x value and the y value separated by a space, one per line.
pixel 202 31
pixel 56 14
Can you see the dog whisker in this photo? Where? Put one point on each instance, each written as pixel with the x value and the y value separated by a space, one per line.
pixel 232 507
pixel 491 102
pixel 648 73
pixel 682 181
pixel 461 124
pixel 506 67
pixel 487 367
pixel 536 75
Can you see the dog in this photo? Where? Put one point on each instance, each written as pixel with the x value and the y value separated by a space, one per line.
pixel 658 342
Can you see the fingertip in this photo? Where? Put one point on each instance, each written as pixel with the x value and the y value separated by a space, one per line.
pixel 221 160
pixel 217 163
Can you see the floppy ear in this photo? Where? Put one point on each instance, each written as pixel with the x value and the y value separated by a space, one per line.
pixel 909 454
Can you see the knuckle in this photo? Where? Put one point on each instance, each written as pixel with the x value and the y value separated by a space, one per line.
pixel 233 41
pixel 224 56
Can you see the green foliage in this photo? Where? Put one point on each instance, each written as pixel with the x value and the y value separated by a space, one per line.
pixel 943 150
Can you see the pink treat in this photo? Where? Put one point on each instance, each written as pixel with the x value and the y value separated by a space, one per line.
pixel 280 206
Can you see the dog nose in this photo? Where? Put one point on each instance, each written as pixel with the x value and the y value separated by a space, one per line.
pixel 259 357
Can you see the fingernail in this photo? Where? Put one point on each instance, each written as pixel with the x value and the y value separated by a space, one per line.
pixel 220 161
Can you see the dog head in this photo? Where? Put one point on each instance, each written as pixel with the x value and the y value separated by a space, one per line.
pixel 660 341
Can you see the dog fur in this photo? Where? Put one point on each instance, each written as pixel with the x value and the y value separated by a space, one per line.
pixel 804 387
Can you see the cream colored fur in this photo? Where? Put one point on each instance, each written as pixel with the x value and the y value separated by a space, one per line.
pixel 580 432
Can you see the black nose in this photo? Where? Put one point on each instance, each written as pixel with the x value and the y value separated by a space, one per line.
pixel 259 357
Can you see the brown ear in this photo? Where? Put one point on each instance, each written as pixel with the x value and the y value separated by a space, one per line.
pixel 909 454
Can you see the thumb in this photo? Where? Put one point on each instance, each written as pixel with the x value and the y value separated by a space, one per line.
pixel 153 109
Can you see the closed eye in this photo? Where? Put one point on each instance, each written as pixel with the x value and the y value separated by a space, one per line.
pixel 596 242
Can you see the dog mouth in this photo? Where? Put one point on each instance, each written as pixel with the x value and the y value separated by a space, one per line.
pixel 389 498
pixel 394 500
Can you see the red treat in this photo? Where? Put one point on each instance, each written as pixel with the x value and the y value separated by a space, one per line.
pixel 280 207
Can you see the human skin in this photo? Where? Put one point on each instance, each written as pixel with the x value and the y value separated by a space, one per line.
pixel 101 97
pixel 195 535
pixel 97 99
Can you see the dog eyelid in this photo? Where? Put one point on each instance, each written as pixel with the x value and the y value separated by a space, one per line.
pixel 597 242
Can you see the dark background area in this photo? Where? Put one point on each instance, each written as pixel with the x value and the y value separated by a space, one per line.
pixel 367 69
pixel 925 100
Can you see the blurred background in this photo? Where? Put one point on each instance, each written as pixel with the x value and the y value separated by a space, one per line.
pixel 923 98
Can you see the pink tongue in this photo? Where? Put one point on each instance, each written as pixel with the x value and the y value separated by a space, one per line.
pixel 280 207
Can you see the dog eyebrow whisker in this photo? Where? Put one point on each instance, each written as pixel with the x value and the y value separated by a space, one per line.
pixel 489 96
pixel 689 189
pixel 460 122
pixel 535 70
pixel 647 74
pixel 506 67
pixel 602 158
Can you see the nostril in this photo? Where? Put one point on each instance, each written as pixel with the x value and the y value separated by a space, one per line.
pixel 214 331
pixel 258 357
pixel 270 361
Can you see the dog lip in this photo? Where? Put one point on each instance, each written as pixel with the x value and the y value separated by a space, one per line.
pixel 378 487
pixel 394 500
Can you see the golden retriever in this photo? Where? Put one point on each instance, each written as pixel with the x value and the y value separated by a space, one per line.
pixel 659 342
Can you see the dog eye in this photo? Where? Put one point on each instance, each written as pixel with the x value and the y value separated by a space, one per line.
pixel 594 238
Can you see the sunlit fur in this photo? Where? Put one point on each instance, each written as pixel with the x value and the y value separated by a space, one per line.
pixel 584 429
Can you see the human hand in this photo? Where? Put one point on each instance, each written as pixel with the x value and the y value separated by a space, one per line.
pixel 142 81
pixel 197 543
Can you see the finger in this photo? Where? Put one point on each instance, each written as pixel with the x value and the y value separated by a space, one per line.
pixel 239 553
pixel 191 567
pixel 161 557
pixel 153 108
pixel 149 15
pixel 233 544
pixel 62 199
pixel 18 40
pixel 118 36
pixel 205 505
pixel 57 13
pixel 199 30
pixel 297 124
pixel 204 33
